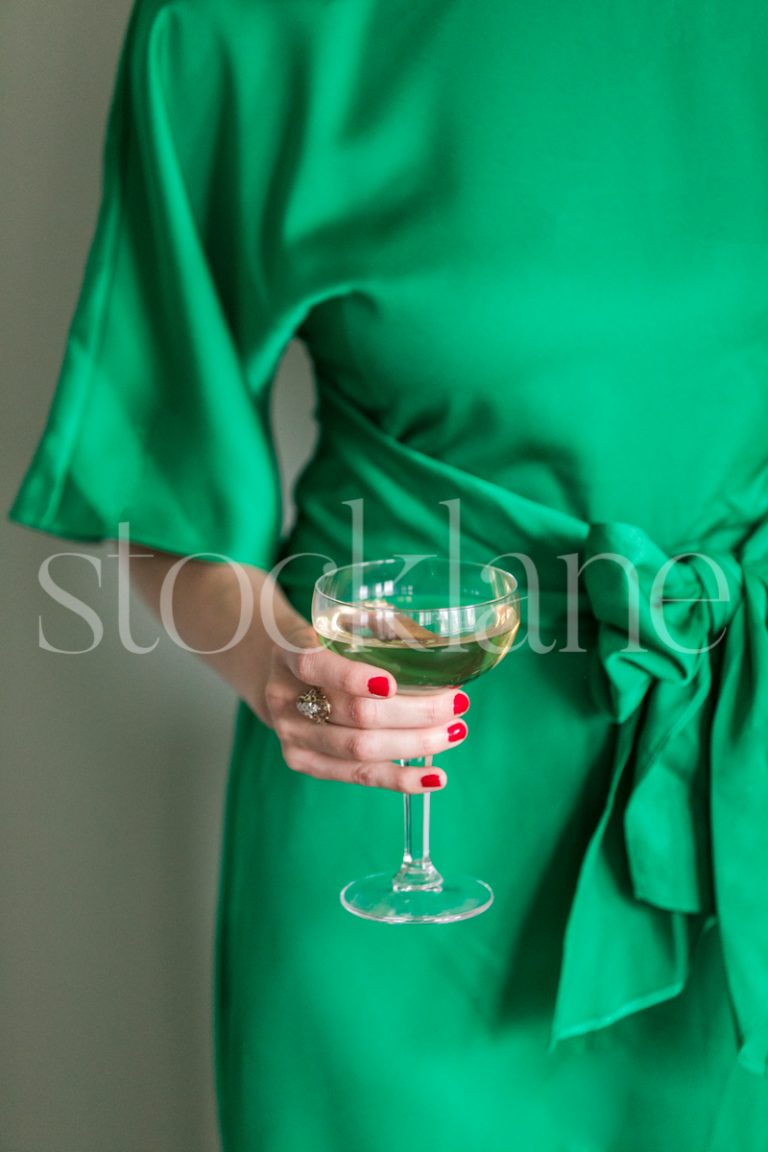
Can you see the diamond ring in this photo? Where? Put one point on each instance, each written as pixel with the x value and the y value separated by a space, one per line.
pixel 315 705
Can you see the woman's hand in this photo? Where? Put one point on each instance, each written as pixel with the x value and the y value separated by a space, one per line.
pixel 369 725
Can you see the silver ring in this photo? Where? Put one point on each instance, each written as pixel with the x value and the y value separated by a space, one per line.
pixel 315 705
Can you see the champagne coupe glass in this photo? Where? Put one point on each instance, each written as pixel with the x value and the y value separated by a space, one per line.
pixel 433 624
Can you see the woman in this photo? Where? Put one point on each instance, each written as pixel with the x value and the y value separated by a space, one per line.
pixel 527 252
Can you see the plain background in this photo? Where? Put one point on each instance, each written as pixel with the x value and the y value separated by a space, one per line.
pixel 113 765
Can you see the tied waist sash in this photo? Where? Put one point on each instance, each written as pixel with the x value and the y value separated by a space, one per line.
pixel 683 839
pixel 682 842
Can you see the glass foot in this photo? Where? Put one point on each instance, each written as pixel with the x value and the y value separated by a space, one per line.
pixel 374 898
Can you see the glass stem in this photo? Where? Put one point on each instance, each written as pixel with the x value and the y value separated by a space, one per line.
pixel 417 870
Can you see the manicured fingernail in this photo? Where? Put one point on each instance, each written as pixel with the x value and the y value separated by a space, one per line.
pixel 460 703
pixel 431 781
pixel 457 731
pixel 378 686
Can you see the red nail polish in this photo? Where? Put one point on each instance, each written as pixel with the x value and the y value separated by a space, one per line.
pixel 431 781
pixel 378 686
pixel 457 731
pixel 460 703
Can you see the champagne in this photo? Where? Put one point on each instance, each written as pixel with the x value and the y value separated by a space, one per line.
pixel 418 658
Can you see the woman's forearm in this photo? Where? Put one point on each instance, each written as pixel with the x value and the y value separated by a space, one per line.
pixel 207 603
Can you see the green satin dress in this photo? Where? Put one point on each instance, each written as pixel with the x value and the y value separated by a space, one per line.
pixel 527 250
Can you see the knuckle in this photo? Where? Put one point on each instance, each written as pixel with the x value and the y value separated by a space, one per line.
pixel 293 757
pixel 435 708
pixel 306 635
pixel 273 695
pixel 281 726
pixel 359 745
pixel 402 779
pixel 305 666
pixel 364 713
pixel 362 773
pixel 302 760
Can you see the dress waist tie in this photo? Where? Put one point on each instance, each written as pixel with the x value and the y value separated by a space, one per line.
pixel 682 842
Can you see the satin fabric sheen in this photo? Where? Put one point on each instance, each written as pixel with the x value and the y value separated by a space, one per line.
pixel 527 251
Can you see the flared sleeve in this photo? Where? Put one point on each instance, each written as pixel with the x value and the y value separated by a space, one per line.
pixel 160 415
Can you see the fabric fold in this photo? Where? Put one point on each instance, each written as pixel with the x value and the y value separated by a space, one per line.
pixel 683 670
pixel 680 666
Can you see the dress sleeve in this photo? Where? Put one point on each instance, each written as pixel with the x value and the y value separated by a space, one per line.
pixel 160 415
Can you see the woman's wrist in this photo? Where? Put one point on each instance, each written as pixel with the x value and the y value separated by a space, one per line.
pixel 275 622
pixel 229 617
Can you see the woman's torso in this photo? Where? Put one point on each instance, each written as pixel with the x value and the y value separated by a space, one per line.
pixel 545 259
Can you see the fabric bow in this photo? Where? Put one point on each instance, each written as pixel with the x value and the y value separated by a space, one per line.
pixel 682 668
pixel 683 837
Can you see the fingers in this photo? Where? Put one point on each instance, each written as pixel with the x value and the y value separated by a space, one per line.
pixel 368 744
pixel 372 774
pixel 363 696
pixel 411 726
pixel 427 711
pixel 365 734
pixel 318 666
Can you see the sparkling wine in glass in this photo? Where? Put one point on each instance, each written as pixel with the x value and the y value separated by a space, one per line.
pixel 433 624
